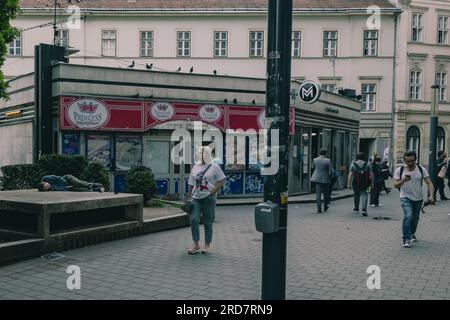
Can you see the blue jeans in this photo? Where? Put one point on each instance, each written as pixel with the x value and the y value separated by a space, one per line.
pixel 411 213
pixel 322 188
pixel 207 206
pixel 360 196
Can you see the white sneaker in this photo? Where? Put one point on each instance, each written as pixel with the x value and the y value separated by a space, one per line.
pixel 406 244
pixel 372 205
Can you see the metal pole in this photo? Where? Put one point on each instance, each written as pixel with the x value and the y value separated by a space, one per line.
pixel 277 111
pixel 433 134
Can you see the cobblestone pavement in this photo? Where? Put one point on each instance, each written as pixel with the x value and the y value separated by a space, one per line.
pixel 328 255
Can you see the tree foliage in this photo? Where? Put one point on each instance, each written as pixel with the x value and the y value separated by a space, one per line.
pixel 8 11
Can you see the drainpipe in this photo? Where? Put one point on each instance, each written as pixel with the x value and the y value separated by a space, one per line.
pixel 394 92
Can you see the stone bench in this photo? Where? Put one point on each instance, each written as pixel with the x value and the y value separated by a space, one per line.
pixel 47 215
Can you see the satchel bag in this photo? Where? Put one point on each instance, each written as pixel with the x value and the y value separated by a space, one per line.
pixel 443 173
pixel 187 206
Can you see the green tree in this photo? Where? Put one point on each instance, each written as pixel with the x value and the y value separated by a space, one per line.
pixel 8 11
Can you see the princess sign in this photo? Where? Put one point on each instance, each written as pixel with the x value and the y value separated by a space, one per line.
pixel 309 92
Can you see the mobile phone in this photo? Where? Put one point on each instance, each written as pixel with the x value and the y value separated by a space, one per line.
pixel 407 176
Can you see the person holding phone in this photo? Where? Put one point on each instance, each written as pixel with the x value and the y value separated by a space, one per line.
pixel 408 179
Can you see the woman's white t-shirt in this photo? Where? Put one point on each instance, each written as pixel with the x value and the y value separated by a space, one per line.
pixel 210 178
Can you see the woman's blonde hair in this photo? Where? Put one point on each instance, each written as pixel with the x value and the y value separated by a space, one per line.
pixel 203 155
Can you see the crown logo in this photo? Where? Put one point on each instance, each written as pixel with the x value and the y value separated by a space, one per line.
pixel 210 109
pixel 87 107
pixel 162 107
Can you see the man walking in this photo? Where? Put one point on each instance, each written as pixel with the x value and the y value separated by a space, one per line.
pixel 440 183
pixel 360 179
pixel 408 178
pixel 378 180
pixel 321 177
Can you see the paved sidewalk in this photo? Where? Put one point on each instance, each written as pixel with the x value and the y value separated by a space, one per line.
pixel 328 255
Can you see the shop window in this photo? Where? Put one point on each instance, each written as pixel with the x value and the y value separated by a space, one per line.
pixel 157 156
pixel 99 149
pixel 128 152
pixel 71 143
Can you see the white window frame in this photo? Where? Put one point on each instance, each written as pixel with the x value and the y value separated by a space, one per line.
pixel 369 97
pixel 417 27
pixel 183 43
pixel 220 49
pixel 296 43
pixel 413 142
pixel 15 46
pixel 328 42
pixel 146 42
pixel 62 37
pixel 443 28
pixel 328 86
pixel 442 81
pixel 256 43
pixel 370 43
pixel 415 85
pixel 109 43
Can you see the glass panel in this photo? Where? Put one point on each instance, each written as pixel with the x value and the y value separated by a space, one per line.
pixel 157 156
pixel 99 149
pixel 128 152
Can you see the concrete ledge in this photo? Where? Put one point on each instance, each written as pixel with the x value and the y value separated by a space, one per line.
pixel 165 223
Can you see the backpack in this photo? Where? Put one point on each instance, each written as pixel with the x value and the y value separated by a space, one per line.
pixel 362 176
pixel 420 169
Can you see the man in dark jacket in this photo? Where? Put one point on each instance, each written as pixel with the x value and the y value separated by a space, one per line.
pixel 377 183
pixel 67 183
pixel 440 183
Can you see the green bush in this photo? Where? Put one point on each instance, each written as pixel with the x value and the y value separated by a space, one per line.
pixel 140 180
pixel 21 176
pixel 60 165
pixel 96 172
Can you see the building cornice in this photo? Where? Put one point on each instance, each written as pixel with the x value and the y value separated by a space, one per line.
pixel 443 58
pixel 208 11
pixel 370 77
pixel 330 78
pixel 417 56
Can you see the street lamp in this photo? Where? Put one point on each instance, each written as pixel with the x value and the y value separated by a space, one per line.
pixel 432 166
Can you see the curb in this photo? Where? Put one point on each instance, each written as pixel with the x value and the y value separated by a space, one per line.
pixel 248 203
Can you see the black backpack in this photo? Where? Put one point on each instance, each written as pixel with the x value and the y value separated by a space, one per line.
pixel 362 176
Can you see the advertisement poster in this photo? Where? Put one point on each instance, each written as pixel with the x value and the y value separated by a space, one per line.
pixel 128 152
pixel 99 149
pixel 71 143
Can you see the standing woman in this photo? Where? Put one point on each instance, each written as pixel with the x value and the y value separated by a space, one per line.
pixel 205 181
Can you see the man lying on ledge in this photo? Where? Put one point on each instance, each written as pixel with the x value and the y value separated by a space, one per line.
pixel 68 183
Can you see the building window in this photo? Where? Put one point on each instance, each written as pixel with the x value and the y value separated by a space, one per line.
pixel 330 87
pixel 109 43
pixel 440 143
pixel 370 42
pixel 415 85
pixel 413 140
pixel 417 27
pixel 15 46
pixel 296 44
pixel 220 44
pixel 330 41
pixel 62 37
pixel 184 43
pixel 369 97
pixel 146 43
pixel 441 80
pixel 256 43
pixel 442 30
